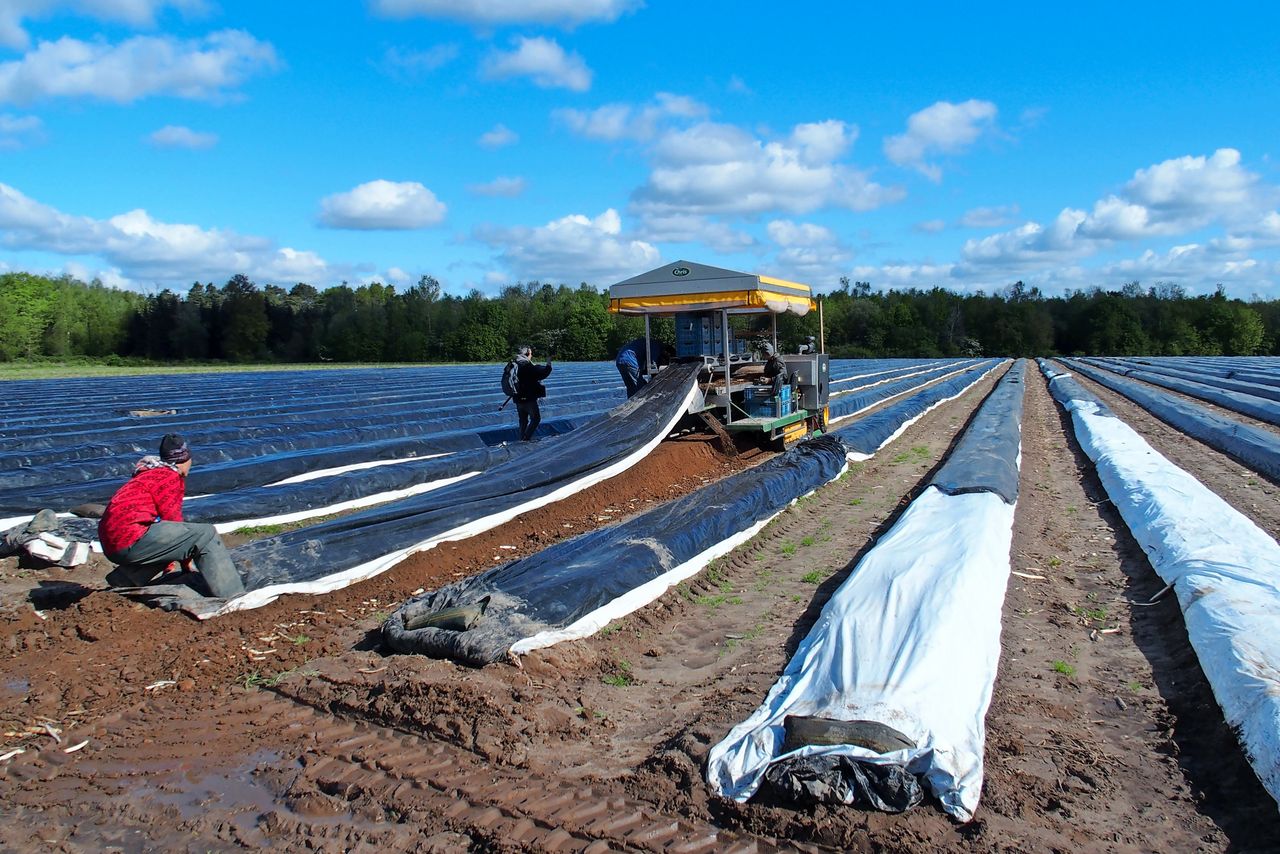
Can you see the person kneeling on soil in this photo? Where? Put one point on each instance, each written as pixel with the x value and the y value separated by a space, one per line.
pixel 142 528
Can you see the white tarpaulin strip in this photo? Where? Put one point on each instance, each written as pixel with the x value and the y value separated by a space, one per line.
pixel 911 640
pixel 1224 568
pixel 342 506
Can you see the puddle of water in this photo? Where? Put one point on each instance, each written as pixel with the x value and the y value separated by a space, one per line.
pixel 21 687
pixel 233 793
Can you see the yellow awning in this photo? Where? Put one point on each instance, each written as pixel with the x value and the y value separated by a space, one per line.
pixel 687 286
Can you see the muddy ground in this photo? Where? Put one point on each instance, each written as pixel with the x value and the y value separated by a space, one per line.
pixel 288 727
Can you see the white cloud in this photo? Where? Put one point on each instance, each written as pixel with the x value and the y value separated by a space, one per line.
pixel 397 276
pixel 572 249
pixel 501 186
pixel 136 13
pixel 943 128
pixel 19 131
pixel 1193 187
pixel 143 250
pixel 1171 198
pixel 625 121
pixel 931 226
pixel 715 168
pixel 415 63
pixel 808 252
pixel 989 217
pixel 693 228
pixel 543 61
pixel 904 275
pixel 176 136
pixel 564 13
pixel 200 69
pixel 786 233
pixel 387 205
pixel 498 136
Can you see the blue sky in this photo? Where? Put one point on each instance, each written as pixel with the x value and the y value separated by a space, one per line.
pixel 152 143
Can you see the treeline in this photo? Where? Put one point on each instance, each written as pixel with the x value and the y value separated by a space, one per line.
pixel 242 322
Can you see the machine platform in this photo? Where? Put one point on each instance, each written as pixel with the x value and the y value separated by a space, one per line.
pixel 766 425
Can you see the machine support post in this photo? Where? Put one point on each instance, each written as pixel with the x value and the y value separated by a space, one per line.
pixel 728 386
pixel 774 318
pixel 648 348
pixel 822 340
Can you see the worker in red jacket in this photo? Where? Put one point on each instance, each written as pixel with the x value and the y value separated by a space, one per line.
pixel 143 529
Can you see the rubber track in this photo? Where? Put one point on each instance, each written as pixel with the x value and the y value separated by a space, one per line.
pixel 443 787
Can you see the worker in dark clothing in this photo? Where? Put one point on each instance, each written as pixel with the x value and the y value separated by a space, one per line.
pixel 529 389
pixel 632 362
pixel 775 369
pixel 142 526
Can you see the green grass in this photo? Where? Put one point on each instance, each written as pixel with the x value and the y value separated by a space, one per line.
pixel 715 600
pixel 1055 562
pixel 254 679
pixel 621 676
pixel 298 639
pixel 814 577
pixel 807 541
pixel 1064 668
pixel 261 530
pixel 717 578
pixel 855 502
pixel 1095 614
pixel 1134 687
pixel 788 549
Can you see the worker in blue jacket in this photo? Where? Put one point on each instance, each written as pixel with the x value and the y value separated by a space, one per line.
pixel 633 356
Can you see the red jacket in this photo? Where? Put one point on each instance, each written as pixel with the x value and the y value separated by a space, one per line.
pixel 149 496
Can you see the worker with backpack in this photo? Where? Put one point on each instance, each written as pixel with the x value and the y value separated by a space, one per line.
pixel 522 382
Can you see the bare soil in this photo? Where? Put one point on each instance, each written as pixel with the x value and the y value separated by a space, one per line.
pixel 287 726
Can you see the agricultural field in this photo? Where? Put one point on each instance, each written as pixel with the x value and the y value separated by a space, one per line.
pixel 283 718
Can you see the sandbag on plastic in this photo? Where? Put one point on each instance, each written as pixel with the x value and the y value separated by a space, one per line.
pixel 910 641
pixel 1224 569
pixel 64 542
pixel 863 437
pixel 1259 449
pixel 574 588
pixel 331 555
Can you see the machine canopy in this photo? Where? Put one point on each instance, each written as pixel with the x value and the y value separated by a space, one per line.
pixel 686 286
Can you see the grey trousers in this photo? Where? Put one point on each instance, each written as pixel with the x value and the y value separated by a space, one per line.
pixel 168 541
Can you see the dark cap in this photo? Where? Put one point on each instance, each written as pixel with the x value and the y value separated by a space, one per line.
pixel 173 449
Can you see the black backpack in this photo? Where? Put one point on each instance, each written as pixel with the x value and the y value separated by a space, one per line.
pixel 510 379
